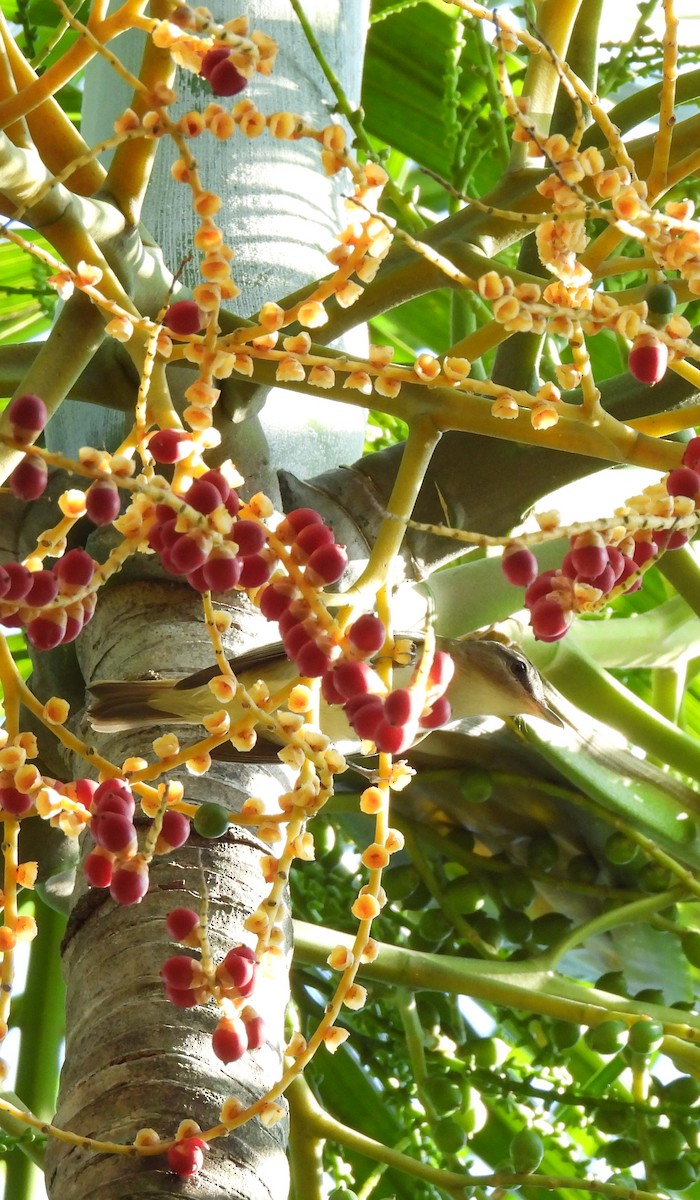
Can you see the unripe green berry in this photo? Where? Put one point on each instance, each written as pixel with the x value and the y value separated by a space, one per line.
pixel 645 1036
pixel 607 1038
pixel 211 820
pixel 526 1151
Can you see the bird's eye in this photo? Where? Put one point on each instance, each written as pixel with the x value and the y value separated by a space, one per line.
pixel 518 668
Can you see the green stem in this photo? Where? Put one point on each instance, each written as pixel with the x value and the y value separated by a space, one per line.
pixel 517 985
pixel 681 569
pixel 583 682
pixel 625 914
pixel 353 116
pixel 326 1126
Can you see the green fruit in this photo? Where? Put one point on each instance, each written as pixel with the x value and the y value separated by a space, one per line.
pixel 444 1095
pixel 526 1151
pixel 211 820
pixel 613 1119
pixel 607 1038
pixel 676 1175
pixel 485 1053
pixel 582 869
pixel 476 786
pixel 685 1091
pixel 654 877
pixel 650 996
pixel 645 1036
pixel 612 981
pixel 400 881
pixel 623 1152
pixel 565 1034
pixel 465 894
pixel 433 925
pixel 517 891
pixel 516 926
pixel 620 849
pixel 665 1144
pixel 448 1135
pixel 661 302
pixel 550 928
pixel 542 853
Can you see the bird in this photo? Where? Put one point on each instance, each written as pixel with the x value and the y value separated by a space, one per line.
pixel 490 679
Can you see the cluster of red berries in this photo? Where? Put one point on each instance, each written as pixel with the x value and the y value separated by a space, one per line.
pixel 591 561
pixel 115 862
pixel 234 979
pixel 223 77
pixel 32 595
pixel 390 721
pixel 244 560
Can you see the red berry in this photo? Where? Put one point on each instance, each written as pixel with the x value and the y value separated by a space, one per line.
pixel 648 359
pixel 189 552
pixel 540 587
pixel 691 454
pixel 255 1032
pixel 174 831
pixel 237 971
pixel 129 884
pixel 310 538
pixel 439 714
pixel 183 997
pixel 353 679
pixel 617 561
pixel 274 601
pixel 29 478
pixel 249 537
pixel 98 869
pixel 591 559
pixel 76 568
pixel 225 80
pixel 44 589
pixel 84 790
pixel 113 831
pixel 182 971
pixel 186 1158
pixel 15 802
pixel 183 317
pixel 326 564
pixel 519 565
pixel 196 579
pixel 27 415
pixel 643 551
pixel 203 496
pixel 365 714
pixel 221 571
pixel 549 620
pixel 441 671
pixel 367 634
pixel 677 539
pixel 683 482
pixel 295 521
pixel 20 581
pixel 110 788
pixel 329 691
pixel 229 1041
pixel 212 57
pixel 181 922
pixel 102 502
pixel 255 571
pixel 4 583
pixel 170 445
pixel 393 739
pixel 47 632
pixel 399 707
pixel 222 486
pixel 311 660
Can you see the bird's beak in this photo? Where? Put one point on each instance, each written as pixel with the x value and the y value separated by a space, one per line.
pixel 539 708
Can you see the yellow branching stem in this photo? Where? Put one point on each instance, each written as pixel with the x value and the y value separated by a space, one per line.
pixel 657 180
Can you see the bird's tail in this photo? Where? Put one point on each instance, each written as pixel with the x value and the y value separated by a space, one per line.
pixel 118 705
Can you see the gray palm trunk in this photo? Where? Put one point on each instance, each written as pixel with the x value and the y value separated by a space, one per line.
pixel 133 1060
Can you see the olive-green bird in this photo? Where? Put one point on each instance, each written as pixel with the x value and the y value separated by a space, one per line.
pixel 489 679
